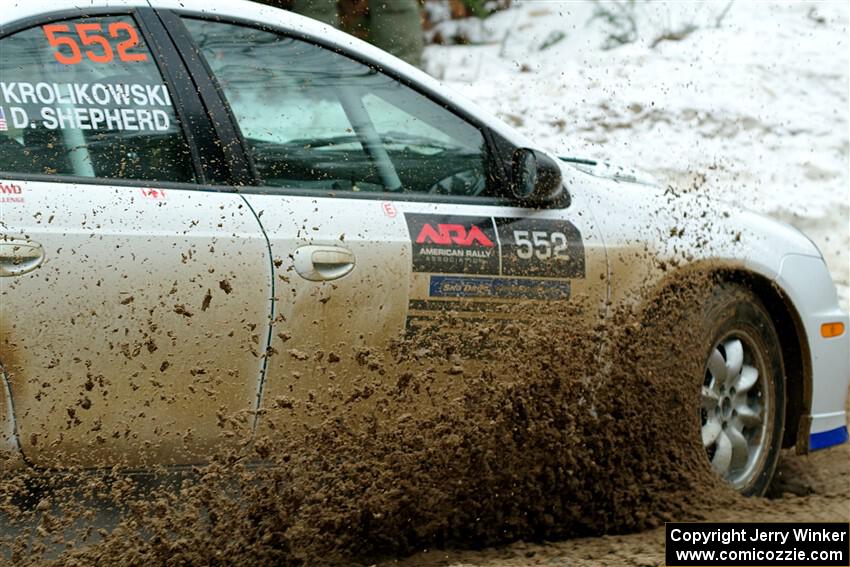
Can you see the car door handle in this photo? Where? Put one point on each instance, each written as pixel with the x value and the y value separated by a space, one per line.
pixel 323 263
pixel 19 257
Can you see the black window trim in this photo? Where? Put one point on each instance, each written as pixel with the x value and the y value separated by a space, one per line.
pixel 206 153
pixel 221 116
pixel 214 98
pixel 185 104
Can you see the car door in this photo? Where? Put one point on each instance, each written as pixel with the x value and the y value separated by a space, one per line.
pixel 135 303
pixel 384 209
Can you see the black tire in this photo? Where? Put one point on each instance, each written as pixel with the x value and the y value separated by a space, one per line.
pixel 734 314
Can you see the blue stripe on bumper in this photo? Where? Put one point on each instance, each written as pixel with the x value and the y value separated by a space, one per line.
pixel 829 438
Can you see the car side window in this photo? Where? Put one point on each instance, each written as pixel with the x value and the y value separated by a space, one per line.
pixel 316 119
pixel 84 97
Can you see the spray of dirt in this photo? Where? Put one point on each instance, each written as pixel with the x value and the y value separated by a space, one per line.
pixel 548 431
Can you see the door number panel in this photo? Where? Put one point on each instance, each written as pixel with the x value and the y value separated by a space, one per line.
pixel 455 244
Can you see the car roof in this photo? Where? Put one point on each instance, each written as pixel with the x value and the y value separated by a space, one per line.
pixel 275 17
pixel 22 9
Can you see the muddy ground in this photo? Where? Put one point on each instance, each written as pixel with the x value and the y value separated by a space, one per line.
pixel 808 488
pixel 557 437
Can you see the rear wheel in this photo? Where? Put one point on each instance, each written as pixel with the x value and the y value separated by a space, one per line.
pixel 742 401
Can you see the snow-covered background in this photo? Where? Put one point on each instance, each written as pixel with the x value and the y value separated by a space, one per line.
pixel 753 110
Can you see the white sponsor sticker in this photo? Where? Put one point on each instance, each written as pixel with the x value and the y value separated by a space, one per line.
pixel 87 106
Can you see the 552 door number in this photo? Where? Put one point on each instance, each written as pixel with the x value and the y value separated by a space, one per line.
pixel 530 247
pixel 91 34
pixel 541 245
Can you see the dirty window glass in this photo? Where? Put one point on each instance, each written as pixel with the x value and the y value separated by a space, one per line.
pixel 315 119
pixel 85 97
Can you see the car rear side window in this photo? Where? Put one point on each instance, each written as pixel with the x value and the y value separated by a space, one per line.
pixel 315 119
pixel 85 98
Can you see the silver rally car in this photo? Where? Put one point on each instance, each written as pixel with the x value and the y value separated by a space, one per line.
pixel 189 184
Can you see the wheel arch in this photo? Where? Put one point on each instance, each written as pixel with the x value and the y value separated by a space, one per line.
pixel 796 357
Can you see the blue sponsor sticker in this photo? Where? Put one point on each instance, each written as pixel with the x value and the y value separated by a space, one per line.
pixel 458 286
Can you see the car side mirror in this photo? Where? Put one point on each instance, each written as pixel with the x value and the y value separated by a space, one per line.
pixel 536 177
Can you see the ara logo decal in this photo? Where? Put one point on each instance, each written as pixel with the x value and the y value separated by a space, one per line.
pixel 522 247
pixel 453 244
pixel 447 234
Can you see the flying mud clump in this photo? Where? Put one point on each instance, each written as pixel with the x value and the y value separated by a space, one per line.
pixel 540 423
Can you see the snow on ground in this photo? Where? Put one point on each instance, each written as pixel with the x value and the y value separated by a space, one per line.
pixel 754 110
